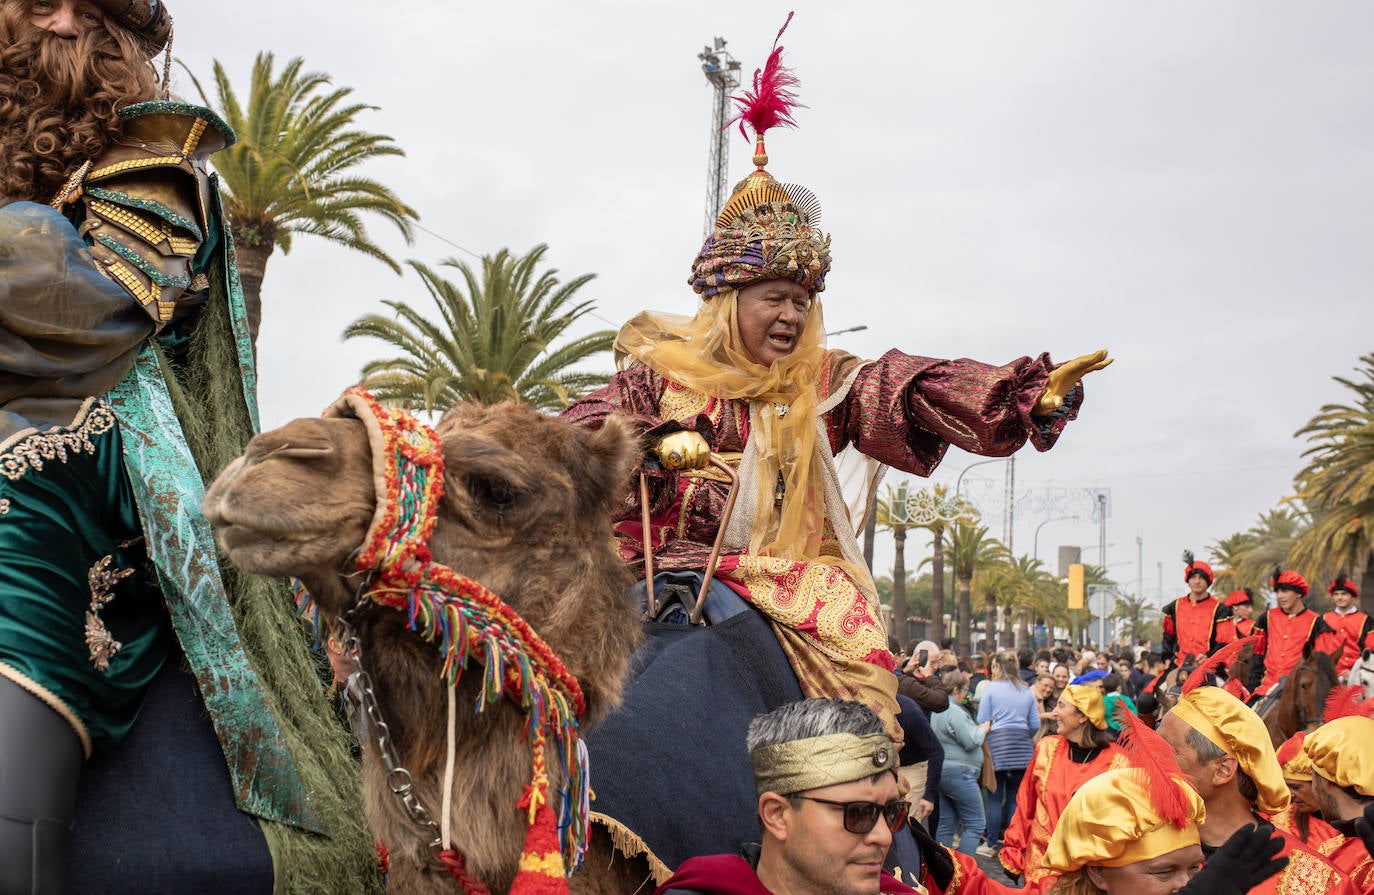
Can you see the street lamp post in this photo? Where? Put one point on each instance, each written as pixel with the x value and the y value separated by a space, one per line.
pixel 1035 551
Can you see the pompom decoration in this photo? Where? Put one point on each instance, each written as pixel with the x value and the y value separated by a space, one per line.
pixel 1148 752
pixel 468 624
pixel 1220 660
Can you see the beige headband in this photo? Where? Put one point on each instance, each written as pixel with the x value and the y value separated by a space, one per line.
pixel 821 761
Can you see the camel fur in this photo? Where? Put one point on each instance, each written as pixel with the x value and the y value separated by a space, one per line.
pixel 526 513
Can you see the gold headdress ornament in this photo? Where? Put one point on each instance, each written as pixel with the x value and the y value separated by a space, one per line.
pixel 821 761
pixel 766 231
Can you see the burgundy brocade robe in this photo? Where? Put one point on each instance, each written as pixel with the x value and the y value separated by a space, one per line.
pixel 901 410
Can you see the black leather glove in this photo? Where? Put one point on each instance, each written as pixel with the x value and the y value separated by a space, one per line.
pixel 1365 827
pixel 1246 860
pixel 937 860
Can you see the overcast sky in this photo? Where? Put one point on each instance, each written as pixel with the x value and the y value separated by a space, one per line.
pixel 1188 185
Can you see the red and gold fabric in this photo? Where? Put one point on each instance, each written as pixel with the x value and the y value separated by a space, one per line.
pixel 1281 639
pixel 1319 832
pixel 1244 626
pixel 1050 781
pixel 970 879
pixel 1351 857
pixel 1308 873
pixel 1356 630
pixel 1195 628
pixel 901 410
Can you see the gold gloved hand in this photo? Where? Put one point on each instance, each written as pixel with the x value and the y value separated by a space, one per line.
pixel 682 450
pixel 1065 376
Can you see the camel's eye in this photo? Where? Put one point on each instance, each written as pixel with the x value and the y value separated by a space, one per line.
pixel 494 493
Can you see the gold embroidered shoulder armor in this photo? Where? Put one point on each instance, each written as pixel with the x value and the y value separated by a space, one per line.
pixel 148 201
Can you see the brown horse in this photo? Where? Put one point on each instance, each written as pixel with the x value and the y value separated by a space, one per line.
pixel 1301 700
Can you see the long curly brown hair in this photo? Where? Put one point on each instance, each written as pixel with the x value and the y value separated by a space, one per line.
pixel 59 98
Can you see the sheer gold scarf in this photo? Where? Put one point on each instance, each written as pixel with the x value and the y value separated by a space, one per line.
pixel 705 353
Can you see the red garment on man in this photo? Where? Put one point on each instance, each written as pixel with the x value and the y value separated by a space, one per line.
pixel 1049 782
pixel 970 879
pixel 1307 872
pixel 733 875
pixel 1357 634
pixel 1195 629
pixel 1280 639
pixel 1352 858
pixel 1244 627
pixel 1318 830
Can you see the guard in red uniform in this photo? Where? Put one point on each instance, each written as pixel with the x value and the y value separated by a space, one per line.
pixel 1242 604
pixel 1355 627
pixel 1282 634
pixel 1196 623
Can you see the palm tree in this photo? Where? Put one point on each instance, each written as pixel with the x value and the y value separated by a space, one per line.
pixel 1338 483
pixel 1133 613
pixel 972 552
pixel 1226 556
pixel 1271 541
pixel 932 509
pixel 1015 583
pixel 494 340
pixel 292 170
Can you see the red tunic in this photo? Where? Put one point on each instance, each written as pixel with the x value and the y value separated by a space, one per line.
pixel 1280 641
pixel 1318 830
pixel 1244 626
pixel 1307 873
pixel 1049 783
pixel 1352 858
pixel 1195 629
pixel 969 879
pixel 1357 634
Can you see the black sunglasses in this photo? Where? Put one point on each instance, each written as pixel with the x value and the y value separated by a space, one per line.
pixel 862 817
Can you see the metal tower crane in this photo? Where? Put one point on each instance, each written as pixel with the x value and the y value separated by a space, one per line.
pixel 723 71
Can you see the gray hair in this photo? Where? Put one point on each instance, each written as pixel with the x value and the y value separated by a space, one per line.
pixel 812 718
pixel 1209 751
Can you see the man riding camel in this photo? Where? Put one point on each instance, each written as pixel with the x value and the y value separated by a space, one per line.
pixel 126 376
pixel 748 378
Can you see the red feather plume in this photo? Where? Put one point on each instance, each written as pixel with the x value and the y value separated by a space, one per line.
pixel 1149 752
pixel 772 100
pixel 1222 658
pixel 1290 748
pixel 1342 702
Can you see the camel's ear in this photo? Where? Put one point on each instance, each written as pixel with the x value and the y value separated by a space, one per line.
pixel 611 455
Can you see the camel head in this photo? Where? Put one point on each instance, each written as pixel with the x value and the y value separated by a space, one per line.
pixel 526 513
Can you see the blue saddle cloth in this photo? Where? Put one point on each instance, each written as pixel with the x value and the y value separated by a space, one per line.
pixel 156 813
pixel 670 766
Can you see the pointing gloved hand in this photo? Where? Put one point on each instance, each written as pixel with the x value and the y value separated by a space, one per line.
pixel 1246 860
pixel 682 450
pixel 1064 377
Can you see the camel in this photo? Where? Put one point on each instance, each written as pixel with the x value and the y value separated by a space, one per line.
pixel 526 513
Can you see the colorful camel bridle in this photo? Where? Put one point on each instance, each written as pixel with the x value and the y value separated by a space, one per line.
pixel 466 622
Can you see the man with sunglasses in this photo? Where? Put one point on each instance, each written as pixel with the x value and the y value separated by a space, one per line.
pixel 828 805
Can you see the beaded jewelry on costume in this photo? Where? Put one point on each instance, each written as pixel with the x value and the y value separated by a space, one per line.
pixel 99 641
